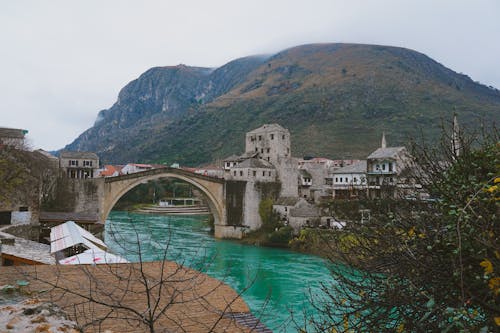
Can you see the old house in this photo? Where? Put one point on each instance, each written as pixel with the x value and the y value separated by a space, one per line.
pixel 253 169
pixel 283 205
pixel 13 137
pixel 231 161
pixel 135 167
pixel 350 181
pixel 385 169
pixel 314 177
pixel 79 165
pixel 304 214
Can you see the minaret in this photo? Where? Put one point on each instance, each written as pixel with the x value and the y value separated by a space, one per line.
pixel 456 147
pixel 384 144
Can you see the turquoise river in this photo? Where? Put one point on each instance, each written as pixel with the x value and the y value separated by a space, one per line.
pixel 280 280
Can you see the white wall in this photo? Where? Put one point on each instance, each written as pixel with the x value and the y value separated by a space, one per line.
pixel 349 179
pixel 20 217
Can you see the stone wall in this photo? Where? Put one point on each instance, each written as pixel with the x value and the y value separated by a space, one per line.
pixel 235 194
pixel 255 192
pixel 288 174
pixel 20 217
pixel 75 195
pixel 26 231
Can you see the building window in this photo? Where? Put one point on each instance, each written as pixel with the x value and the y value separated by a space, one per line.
pixel 390 166
pixel 228 164
pixel 255 173
pixel 269 173
pixel 234 173
pixel 383 166
pixel 263 173
pixel 377 167
pixel 272 136
pixel 256 149
pixel 268 158
pixel 355 179
pixel 268 150
pixel 286 209
pixel 336 180
pixel 283 137
pixel 241 173
pixel 23 209
pixel 260 137
pixel 262 150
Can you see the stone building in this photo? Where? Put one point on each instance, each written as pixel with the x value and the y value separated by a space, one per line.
pixel 231 161
pixel 283 205
pixel 253 169
pixel 305 183
pixel 349 182
pixel 271 141
pixel 12 137
pixel 304 214
pixel 385 168
pixel 79 165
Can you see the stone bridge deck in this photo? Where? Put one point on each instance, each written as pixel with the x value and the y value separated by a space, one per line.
pixel 160 171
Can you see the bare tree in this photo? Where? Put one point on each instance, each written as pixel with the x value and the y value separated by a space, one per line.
pixel 159 296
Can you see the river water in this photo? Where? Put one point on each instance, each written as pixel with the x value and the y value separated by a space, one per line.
pixel 280 280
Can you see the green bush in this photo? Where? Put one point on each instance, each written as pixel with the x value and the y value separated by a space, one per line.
pixel 281 236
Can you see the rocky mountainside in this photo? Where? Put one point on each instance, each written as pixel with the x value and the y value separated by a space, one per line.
pixel 336 99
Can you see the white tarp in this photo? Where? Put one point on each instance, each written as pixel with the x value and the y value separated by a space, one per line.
pixel 70 234
pixel 91 257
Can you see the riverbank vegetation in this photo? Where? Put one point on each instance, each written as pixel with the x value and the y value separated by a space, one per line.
pixel 422 266
pixel 273 232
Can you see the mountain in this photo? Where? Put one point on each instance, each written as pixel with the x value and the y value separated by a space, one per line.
pixel 336 99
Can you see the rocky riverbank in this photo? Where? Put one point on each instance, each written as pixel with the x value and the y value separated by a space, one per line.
pixel 33 315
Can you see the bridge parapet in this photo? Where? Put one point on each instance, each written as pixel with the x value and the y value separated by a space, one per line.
pixel 158 171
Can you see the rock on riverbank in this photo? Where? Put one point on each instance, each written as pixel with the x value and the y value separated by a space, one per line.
pixel 33 315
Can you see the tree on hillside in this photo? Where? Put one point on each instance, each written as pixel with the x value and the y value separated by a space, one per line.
pixel 423 266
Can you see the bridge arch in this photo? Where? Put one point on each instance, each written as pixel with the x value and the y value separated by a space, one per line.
pixel 212 188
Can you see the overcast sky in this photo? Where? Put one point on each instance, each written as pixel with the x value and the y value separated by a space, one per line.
pixel 63 61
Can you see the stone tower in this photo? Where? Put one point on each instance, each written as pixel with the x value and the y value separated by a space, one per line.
pixel 271 141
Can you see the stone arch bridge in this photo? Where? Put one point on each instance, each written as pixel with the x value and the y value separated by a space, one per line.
pixel 225 198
